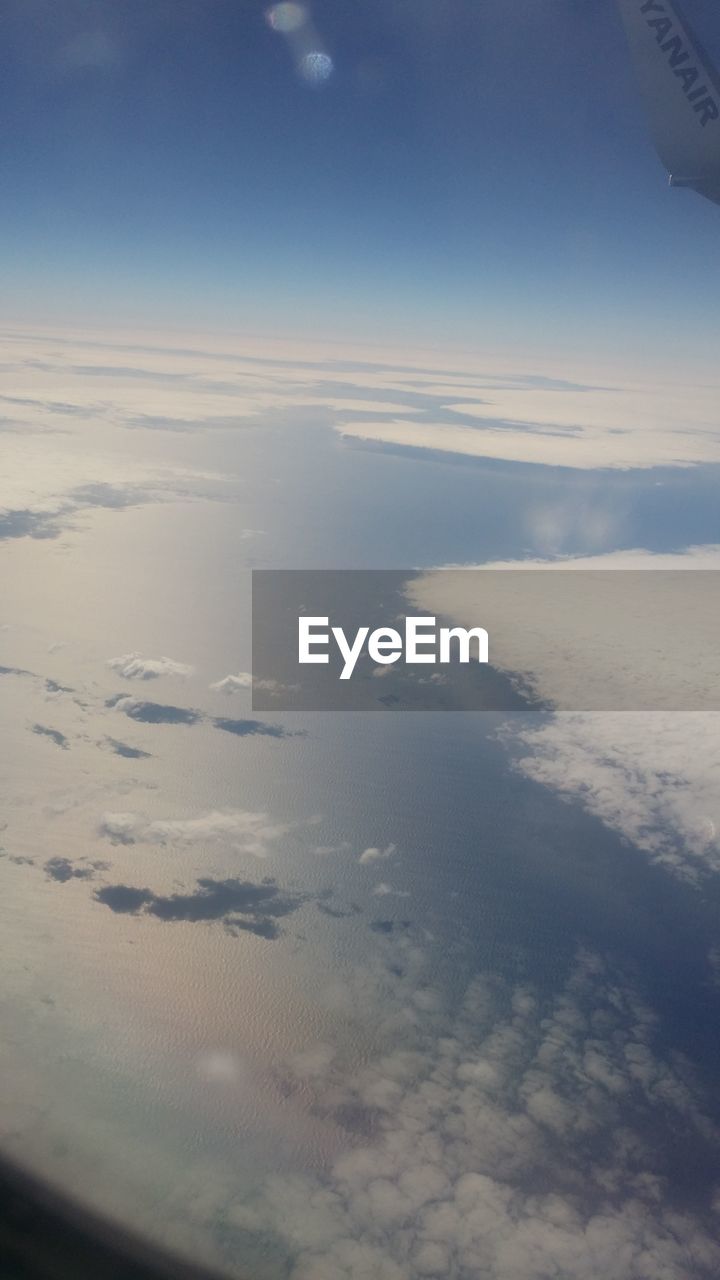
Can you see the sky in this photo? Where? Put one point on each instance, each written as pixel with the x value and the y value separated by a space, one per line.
pixel 332 997
pixel 467 171
pixel 365 997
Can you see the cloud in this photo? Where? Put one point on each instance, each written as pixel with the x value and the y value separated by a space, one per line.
pixel 49 518
pixel 377 854
pixel 385 890
pixel 628 418
pixel 578 641
pixel 233 684
pixel 149 422
pixel 244 680
pixel 651 776
pixel 119 828
pixel 132 666
pixel 154 712
pixel 636 424
pixel 654 777
pixel 55 469
pixel 238 904
pixel 274 687
pixel 238 829
pixel 520 1136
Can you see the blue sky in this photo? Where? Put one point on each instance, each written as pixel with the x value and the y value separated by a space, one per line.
pixel 472 170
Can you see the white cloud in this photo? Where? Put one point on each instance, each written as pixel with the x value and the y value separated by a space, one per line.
pixel 238 829
pixel 244 680
pixel 133 666
pixel 377 854
pixel 233 684
pixel 119 828
pixel 579 642
pixel 652 776
pixel 275 687
pixel 385 890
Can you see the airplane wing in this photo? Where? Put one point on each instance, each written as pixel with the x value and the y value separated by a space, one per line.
pixel 682 91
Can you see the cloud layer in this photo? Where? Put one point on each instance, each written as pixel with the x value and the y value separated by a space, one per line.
pixel 627 418
pixel 654 777
pixel 522 1138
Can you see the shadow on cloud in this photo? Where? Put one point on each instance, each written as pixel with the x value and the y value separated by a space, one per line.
pixel 239 905
pixel 161 713
pixel 64 869
pixel 53 734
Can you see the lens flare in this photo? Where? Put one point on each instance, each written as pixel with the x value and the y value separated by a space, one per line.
pixel 287 17
pixel 317 67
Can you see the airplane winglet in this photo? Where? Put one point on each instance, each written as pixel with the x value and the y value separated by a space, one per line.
pixel 682 92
